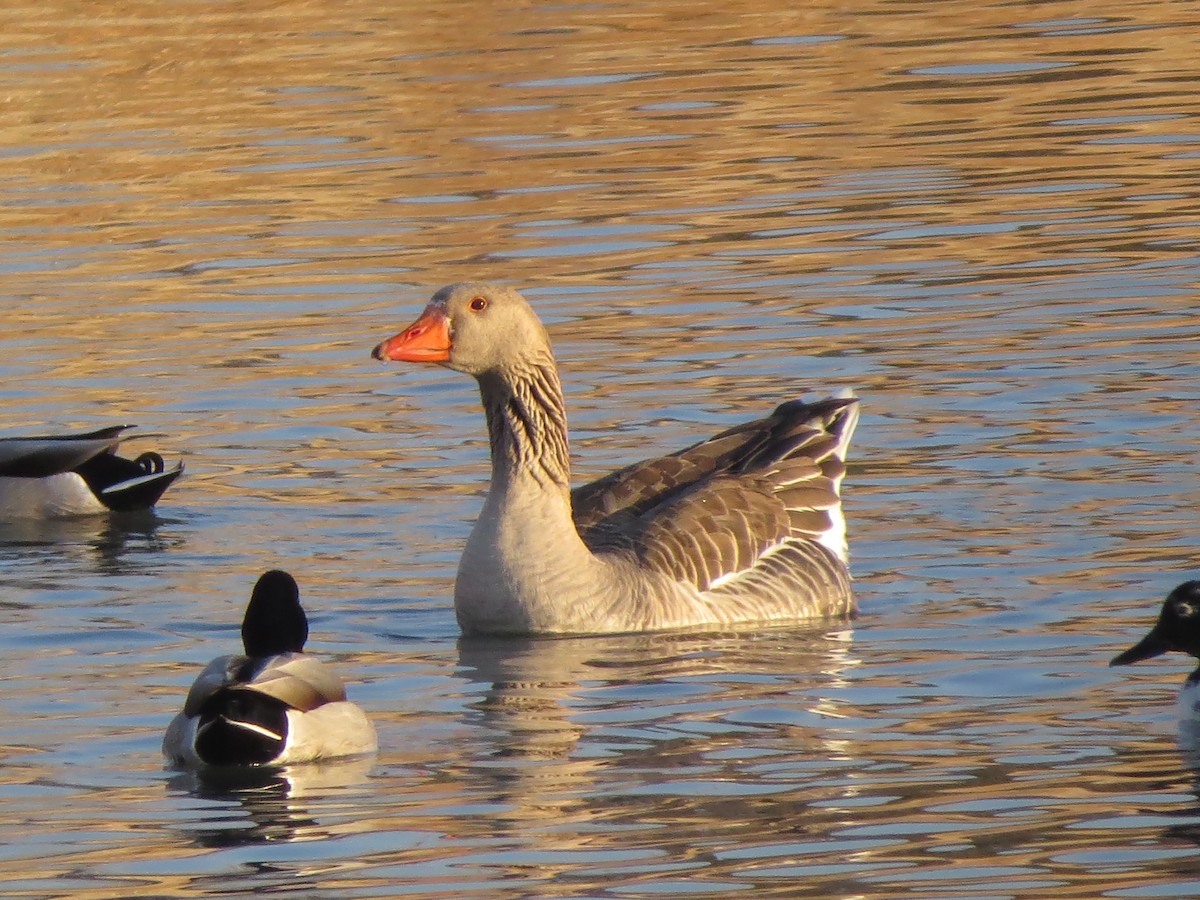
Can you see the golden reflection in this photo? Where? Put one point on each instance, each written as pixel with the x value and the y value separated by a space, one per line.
pixel 174 135
pixel 273 802
pixel 982 217
pixel 536 691
pixel 112 544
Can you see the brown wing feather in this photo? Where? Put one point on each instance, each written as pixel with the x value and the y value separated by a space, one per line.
pixel 795 430
pixel 717 528
pixel 712 510
pixel 651 481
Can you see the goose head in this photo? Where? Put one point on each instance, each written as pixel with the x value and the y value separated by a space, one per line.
pixel 471 327
pixel 275 622
pixel 1177 628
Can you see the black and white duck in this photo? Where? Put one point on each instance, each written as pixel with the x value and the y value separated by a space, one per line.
pixel 272 705
pixel 53 476
pixel 1178 629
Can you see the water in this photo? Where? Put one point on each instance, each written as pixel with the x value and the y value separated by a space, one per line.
pixel 982 219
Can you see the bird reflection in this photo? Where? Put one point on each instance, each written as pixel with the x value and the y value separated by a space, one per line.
pixel 1165 779
pixel 106 543
pixel 530 679
pixel 545 698
pixel 269 805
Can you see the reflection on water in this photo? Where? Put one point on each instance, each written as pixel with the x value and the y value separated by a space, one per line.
pixel 981 220
pixel 269 803
pixel 101 545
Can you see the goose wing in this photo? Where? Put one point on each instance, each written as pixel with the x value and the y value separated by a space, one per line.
pixel 712 510
pixel 653 481
pixel 727 526
pixel 817 431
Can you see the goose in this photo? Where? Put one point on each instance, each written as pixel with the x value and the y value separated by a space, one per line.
pixel 272 706
pixel 745 527
pixel 1177 628
pixel 51 476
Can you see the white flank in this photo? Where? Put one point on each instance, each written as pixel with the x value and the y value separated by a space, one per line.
pixel 65 494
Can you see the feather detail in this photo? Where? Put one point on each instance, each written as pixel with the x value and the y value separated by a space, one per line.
pixel 52 476
pixel 746 526
pixel 250 710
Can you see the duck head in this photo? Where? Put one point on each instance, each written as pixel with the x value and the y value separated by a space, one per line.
pixel 1177 628
pixel 275 621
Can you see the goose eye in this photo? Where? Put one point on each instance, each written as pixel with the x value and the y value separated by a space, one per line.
pixel 478 304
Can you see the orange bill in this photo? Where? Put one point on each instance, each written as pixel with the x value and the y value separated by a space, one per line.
pixel 425 340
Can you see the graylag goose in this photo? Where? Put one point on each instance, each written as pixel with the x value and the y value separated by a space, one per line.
pixel 745 527
pixel 51 476
pixel 272 706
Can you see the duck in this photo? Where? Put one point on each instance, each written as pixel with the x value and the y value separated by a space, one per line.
pixel 1177 628
pixel 54 476
pixel 273 705
pixel 744 527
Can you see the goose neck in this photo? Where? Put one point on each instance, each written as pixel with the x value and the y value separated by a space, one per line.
pixel 527 425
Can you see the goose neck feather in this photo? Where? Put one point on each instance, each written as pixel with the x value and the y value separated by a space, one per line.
pixel 527 424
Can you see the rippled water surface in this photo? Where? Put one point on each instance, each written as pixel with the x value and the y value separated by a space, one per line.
pixel 983 218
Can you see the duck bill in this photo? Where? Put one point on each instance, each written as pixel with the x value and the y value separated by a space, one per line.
pixel 425 340
pixel 1150 646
